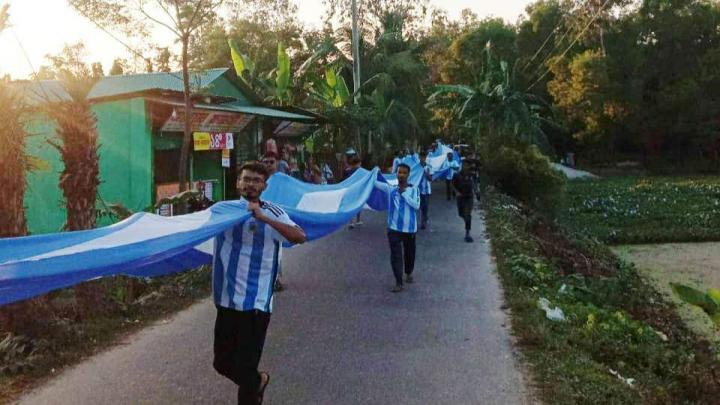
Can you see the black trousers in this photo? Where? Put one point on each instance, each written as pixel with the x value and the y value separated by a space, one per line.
pixel 402 253
pixel 465 206
pixel 239 342
pixel 448 189
pixel 424 205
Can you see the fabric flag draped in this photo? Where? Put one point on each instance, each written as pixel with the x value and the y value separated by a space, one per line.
pixel 148 245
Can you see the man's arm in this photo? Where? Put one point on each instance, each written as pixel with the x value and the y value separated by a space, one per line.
pixel 452 185
pixel 291 233
pixel 412 197
pixel 382 186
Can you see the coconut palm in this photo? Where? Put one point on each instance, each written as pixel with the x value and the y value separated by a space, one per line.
pixel 15 163
pixel 77 142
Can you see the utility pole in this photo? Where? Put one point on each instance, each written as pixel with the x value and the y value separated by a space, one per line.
pixel 356 66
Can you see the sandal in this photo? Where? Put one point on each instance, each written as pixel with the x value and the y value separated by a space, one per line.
pixel 261 389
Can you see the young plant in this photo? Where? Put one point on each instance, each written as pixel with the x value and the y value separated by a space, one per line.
pixel 709 302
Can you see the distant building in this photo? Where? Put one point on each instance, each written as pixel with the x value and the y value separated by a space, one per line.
pixel 140 125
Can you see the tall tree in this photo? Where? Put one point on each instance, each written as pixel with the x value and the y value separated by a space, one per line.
pixel 4 16
pixel 183 18
pixel 77 142
pixel 118 67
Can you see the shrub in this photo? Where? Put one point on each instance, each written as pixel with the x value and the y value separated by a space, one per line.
pixel 522 171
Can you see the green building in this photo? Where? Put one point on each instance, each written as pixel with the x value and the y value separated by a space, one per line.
pixel 140 122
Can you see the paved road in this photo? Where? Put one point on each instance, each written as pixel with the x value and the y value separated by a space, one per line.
pixel 337 335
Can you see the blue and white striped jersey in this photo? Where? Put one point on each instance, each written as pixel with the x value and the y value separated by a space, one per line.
pixel 246 261
pixel 454 168
pixel 402 208
pixel 424 186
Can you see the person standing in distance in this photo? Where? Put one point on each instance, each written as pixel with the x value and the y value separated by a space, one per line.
pixel 403 203
pixel 352 163
pixel 453 167
pixel 245 265
pixel 464 186
pixel 425 188
pixel 270 160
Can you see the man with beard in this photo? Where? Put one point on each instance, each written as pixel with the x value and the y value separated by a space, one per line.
pixel 245 266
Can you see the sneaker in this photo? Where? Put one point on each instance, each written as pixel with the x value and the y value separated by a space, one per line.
pixel 396 289
pixel 468 239
pixel 408 278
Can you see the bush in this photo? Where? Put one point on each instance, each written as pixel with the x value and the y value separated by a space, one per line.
pixel 522 171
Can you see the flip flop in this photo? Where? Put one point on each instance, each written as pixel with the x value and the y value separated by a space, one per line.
pixel 261 389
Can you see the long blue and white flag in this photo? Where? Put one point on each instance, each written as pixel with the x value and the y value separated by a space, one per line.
pixel 148 245
pixel 438 161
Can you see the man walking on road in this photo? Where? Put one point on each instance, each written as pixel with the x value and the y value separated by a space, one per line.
pixel 463 185
pixel 425 190
pixel 403 203
pixel 245 266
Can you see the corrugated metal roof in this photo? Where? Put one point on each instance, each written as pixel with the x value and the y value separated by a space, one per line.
pixel 240 108
pixel 264 111
pixel 111 86
pixel 39 92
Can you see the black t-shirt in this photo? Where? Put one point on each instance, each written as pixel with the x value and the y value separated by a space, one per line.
pixel 464 184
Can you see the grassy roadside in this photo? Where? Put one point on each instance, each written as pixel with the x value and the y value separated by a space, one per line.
pixel 634 210
pixel 49 345
pixel 620 341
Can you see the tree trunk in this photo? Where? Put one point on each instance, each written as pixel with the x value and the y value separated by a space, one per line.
pixel 187 133
pixel 79 181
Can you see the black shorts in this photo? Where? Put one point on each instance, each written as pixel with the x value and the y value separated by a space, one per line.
pixel 465 206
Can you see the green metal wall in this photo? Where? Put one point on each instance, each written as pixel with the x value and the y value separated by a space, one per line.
pixel 126 158
pixel 125 164
pixel 43 199
pixel 207 166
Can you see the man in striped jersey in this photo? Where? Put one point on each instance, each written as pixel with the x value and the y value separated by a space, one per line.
pixel 403 203
pixel 244 268
pixel 425 189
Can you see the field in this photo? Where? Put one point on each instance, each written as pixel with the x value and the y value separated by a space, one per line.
pixel 637 210
pixel 616 337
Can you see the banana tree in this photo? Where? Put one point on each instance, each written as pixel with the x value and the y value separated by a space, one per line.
pixel 493 105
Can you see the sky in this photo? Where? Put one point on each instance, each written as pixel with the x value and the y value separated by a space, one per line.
pixel 42 27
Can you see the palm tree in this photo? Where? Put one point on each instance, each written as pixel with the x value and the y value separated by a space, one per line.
pixel 15 164
pixel 77 142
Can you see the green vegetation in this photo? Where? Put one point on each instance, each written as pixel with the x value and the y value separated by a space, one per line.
pixel 626 210
pixel 619 342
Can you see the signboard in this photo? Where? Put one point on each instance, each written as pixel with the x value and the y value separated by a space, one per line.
pixel 206 188
pixel 212 140
pixel 225 158
pixel 208 121
pixel 165 191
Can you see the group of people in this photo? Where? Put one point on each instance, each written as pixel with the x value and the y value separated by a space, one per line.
pixel 247 259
